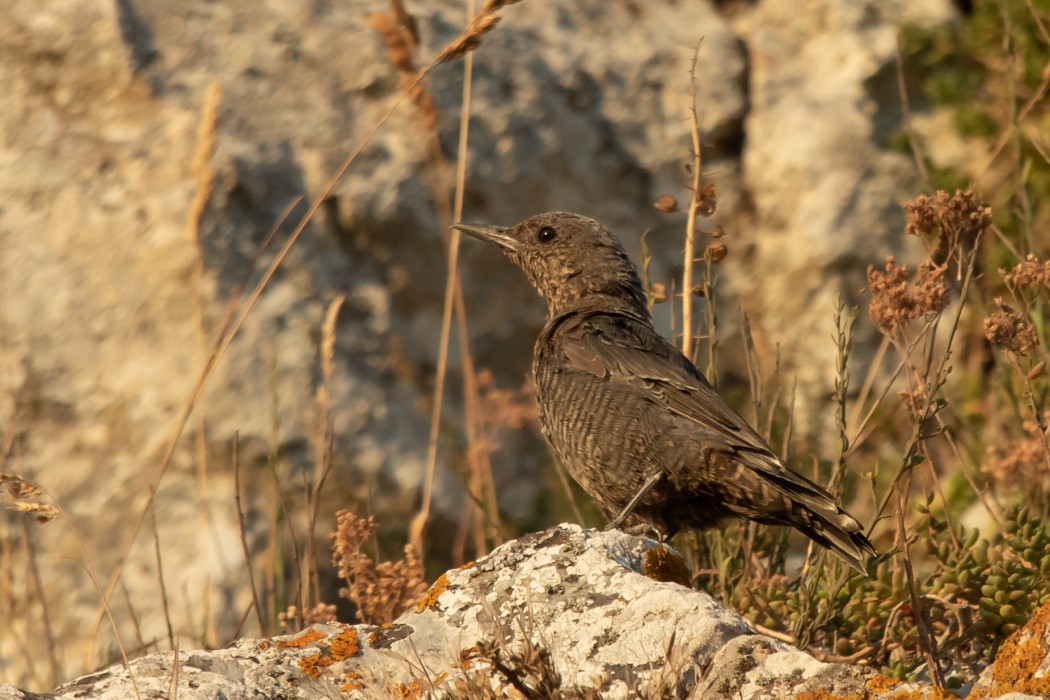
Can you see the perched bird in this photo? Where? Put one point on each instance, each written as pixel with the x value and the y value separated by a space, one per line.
pixel 632 419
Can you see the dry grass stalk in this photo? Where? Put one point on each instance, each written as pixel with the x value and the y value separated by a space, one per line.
pixel 398 34
pixel 530 672
pixel 205 174
pixel 689 256
pixel 382 592
pixel 201 165
pixel 397 30
pixel 243 533
pixel 323 436
pixel 24 496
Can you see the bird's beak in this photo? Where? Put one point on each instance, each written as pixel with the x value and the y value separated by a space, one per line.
pixel 496 234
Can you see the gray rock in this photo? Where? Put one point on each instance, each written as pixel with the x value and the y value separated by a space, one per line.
pixel 586 601
pixel 579 609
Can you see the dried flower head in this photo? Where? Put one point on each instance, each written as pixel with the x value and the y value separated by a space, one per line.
pixel 1010 330
pixel 953 219
pixel 1030 273
pixel 659 293
pixel 1020 461
pixel 716 253
pixel 921 217
pixel 666 203
pixel 480 25
pixel 706 200
pixel 320 613
pixel 510 408
pixel 895 304
pixel 382 592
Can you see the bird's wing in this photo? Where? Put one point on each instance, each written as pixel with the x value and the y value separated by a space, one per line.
pixel 621 348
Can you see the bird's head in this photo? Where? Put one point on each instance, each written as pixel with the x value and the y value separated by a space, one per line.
pixel 568 258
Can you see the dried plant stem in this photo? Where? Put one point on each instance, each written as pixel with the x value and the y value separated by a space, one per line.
pixel 481 468
pixel 711 317
pixel 160 581
pixel 930 407
pixel 754 378
pixel 480 480
pixel 244 531
pixel 45 614
pixel 1012 128
pixel 926 641
pixel 913 142
pixel 862 431
pixel 843 345
pixel 310 591
pixel 869 382
pixel 1037 414
pixel 205 174
pixel 689 257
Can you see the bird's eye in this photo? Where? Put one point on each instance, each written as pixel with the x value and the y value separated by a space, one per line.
pixel 546 234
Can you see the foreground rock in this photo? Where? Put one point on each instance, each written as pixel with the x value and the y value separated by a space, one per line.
pixel 600 613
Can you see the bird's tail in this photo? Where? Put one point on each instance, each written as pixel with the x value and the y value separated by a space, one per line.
pixel 840 532
pixel 792 499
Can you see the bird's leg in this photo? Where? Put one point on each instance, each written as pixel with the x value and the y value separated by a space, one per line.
pixel 646 488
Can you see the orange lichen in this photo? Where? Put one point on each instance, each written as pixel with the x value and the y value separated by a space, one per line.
pixel 466 566
pixel 663 565
pixel 408 691
pixel 308 637
pixel 433 594
pixel 315 663
pixel 353 682
pixel 819 695
pixel 881 683
pixel 345 644
pixel 1020 656
pixel 341 646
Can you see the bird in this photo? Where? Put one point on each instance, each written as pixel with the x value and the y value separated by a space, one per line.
pixel 631 418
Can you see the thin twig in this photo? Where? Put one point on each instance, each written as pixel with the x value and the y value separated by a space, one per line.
pixel 160 580
pixel 244 529
pixel 913 142
pixel 690 228
pixel 926 641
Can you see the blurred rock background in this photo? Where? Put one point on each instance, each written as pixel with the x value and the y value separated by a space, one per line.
pixel 108 304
